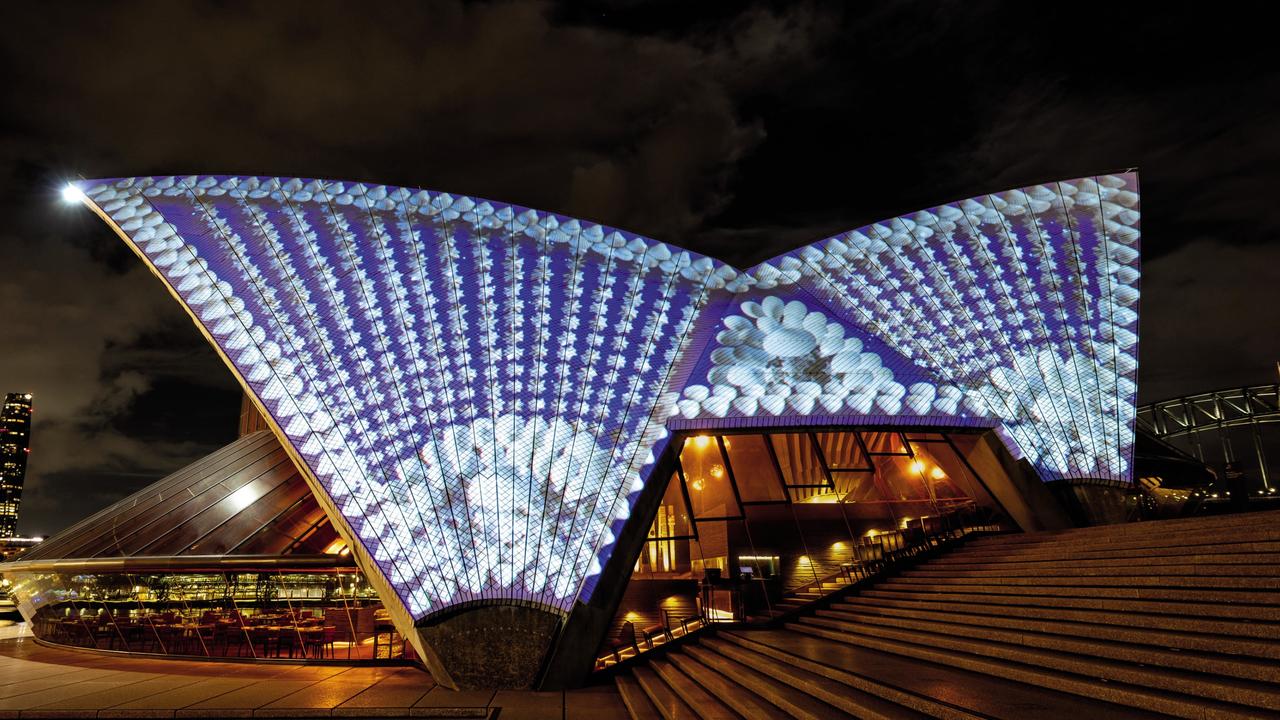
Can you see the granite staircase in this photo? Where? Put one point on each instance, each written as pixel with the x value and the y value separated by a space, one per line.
pixel 1172 618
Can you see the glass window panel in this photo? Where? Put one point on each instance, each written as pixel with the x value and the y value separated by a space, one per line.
pixel 319 539
pixel 168 509
pixel 884 442
pixel 267 508
pixel 267 541
pixel 276 538
pixel 856 487
pixel 91 536
pixel 711 549
pixel 672 518
pixel 842 451
pixel 186 507
pixel 661 558
pixel 753 469
pixel 710 492
pixel 903 478
pixel 943 471
pixel 797 459
pixel 197 526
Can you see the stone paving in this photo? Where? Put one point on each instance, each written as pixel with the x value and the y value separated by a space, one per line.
pixel 37 681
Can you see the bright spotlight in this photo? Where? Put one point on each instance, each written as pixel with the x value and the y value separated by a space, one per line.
pixel 72 194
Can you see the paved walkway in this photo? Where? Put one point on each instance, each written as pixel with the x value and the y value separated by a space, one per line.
pixel 43 682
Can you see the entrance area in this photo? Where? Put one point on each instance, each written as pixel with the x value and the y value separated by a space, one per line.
pixel 752 522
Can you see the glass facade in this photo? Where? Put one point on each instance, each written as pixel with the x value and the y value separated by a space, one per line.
pixel 309 615
pixel 230 556
pixel 245 499
pixel 749 519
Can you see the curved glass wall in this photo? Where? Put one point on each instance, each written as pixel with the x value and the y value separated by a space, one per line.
pixel 750 520
pixel 314 615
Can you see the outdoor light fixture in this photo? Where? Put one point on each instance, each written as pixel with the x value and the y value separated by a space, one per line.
pixel 72 194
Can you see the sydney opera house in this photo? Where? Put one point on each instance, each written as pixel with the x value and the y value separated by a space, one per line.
pixel 502 442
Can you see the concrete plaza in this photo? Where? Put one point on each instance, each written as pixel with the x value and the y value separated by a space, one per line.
pixel 37 681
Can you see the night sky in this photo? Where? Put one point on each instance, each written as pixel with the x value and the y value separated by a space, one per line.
pixel 735 130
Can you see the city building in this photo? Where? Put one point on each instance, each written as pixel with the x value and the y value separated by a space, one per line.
pixel 526 438
pixel 15 445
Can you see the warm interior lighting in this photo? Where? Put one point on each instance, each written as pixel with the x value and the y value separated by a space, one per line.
pixel 72 194
pixel 872 533
pixel 716 471
pixel 701 441
pixel 917 467
pixel 804 560
pixel 698 484
pixel 828 497
pixel 838 546
pixel 937 474
pixel 337 547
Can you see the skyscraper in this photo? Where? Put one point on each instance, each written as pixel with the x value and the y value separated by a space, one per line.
pixel 15 442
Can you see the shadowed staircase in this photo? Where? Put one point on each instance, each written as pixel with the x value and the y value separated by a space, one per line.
pixel 1178 617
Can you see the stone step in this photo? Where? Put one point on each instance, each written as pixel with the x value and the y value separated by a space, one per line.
pixel 937 689
pixel 1219 689
pixel 731 694
pixel 1114 648
pixel 1167 527
pixel 1215 610
pixel 638 704
pixel 1225 561
pixel 1161 631
pixel 1208 538
pixel 669 705
pixel 1266 599
pixel 1104 552
pixel 705 705
pixel 819 688
pixel 1137 697
pixel 1068 569
pixel 1148 579
pixel 796 701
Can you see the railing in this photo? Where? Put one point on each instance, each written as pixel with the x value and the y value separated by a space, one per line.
pixel 872 558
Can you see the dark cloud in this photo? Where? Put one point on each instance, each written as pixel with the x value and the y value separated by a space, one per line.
pixel 739 130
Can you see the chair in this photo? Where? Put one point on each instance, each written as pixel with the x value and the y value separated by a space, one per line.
pixel 870 553
pixel 626 639
pixel 657 630
pixel 315 643
pixel 286 637
pixel 932 527
pixel 231 634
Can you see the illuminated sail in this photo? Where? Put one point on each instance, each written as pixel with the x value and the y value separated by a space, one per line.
pixel 479 389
